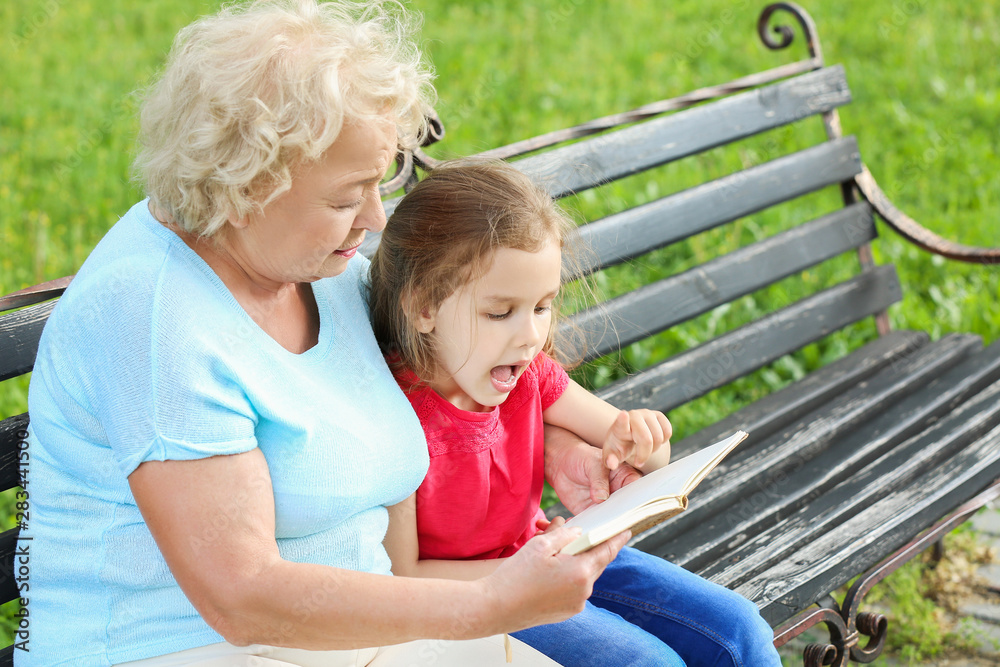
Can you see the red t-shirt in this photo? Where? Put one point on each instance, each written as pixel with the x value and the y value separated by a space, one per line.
pixel 482 493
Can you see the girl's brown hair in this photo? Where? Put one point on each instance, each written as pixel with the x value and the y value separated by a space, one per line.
pixel 441 236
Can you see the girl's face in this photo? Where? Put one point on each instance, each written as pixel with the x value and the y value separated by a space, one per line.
pixel 489 330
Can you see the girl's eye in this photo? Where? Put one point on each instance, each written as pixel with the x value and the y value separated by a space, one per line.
pixel 498 316
pixel 541 310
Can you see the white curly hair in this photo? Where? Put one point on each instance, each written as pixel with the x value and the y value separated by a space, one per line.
pixel 255 90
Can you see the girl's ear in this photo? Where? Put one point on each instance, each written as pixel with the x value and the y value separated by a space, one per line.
pixel 423 320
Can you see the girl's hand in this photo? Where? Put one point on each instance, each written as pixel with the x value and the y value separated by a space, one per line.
pixel 543 525
pixel 538 585
pixel 634 436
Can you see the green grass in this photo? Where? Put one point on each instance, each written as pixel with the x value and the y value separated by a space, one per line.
pixel 925 77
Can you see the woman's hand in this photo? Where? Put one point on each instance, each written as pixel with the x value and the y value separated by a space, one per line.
pixel 538 585
pixel 634 437
pixel 577 473
pixel 574 470
pixel 579 420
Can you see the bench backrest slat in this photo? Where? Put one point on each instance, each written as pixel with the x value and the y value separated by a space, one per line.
pixel 608 157
pixel 625 235
pixel 671 301
pixel 629 234
pixel 11 432
pixel 19 334
pixel 727 357
pixel 8 582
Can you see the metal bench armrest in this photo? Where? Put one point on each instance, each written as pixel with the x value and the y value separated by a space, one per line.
pixel 913 232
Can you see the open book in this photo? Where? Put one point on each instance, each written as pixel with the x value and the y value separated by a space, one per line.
pixel 646 502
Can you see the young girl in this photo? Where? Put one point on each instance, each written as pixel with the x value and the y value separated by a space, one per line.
pixel 463 288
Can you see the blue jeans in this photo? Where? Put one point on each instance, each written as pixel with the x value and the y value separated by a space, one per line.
pixel 647 611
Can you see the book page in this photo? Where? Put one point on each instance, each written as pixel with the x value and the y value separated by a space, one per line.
pixel 675 479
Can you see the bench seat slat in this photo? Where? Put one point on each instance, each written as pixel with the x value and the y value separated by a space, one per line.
pixel 834 557
pixel 864 487
pixel 608 157
pixel 19 334
pixel 849 447
pixel 779 409
pixel 638 230
pixel 770 468
pixel 731 355
pixel 640 313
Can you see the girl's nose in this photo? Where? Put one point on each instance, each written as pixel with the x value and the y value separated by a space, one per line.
pixel 530 333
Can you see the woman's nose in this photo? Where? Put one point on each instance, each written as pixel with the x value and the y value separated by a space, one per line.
pixel 372 214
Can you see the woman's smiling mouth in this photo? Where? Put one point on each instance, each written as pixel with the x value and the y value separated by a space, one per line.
pixel 349 251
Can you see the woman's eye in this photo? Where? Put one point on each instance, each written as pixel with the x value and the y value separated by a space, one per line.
pixel 352 205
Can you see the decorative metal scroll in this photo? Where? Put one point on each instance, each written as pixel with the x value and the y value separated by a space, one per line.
pixel 846 623
pixel 405 176
pixel 846 631
pixel 787 34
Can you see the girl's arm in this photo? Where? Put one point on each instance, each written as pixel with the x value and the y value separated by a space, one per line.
pixel 639 437
pixel 402 546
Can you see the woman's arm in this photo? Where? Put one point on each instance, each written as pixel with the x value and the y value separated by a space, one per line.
pixel 403 548
pixel 213 520
pixel 639 437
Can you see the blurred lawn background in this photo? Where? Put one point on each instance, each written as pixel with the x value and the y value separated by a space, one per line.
pixel 925 77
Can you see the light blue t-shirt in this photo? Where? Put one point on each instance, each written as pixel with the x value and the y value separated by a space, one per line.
pixel 149 357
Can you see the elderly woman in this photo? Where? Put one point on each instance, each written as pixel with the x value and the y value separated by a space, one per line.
pixel 214 434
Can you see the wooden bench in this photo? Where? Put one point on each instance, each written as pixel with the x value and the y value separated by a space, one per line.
pixel 852 469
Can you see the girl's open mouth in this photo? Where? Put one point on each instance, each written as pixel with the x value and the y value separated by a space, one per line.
pixel 504 378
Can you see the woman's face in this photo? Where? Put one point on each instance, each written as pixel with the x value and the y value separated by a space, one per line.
pixel 312 230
